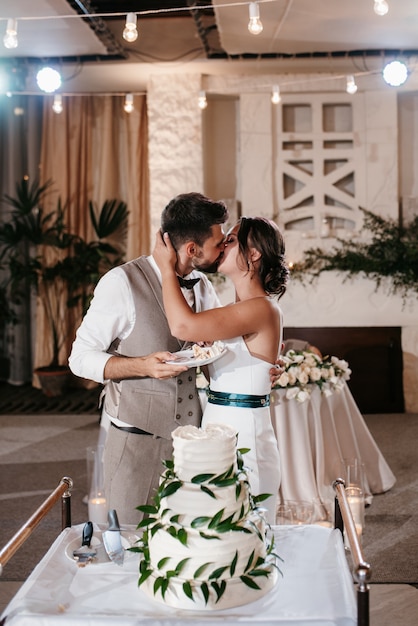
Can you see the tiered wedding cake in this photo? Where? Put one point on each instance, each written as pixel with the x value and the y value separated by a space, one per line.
pixel 204 545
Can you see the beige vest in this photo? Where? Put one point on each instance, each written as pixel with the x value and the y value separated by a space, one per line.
pixel 156 406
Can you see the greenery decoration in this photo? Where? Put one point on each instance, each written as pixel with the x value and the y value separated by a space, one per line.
pixel 38 251
pixel 391 252
pixel 213 527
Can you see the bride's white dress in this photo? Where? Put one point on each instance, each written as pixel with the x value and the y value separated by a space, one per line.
pixel 240 372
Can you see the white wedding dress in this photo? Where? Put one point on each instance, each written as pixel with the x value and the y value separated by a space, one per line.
pixel 240 372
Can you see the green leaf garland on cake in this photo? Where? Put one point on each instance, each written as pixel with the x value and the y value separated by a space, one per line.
pixel 208 577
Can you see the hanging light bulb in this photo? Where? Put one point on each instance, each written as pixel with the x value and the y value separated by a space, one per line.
pixel 202 101
pixel 57 105
pixel 48 79
pixel 130 32
pixel 10 38
pixel 275 94
pixel 351 87
pixel 381 7
pixel 395 73
pixel 129 103
pixel 254 25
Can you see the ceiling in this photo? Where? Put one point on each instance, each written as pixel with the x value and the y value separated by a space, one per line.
pixel 308 35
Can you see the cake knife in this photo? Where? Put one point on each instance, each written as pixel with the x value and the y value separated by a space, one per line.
pixel 112 539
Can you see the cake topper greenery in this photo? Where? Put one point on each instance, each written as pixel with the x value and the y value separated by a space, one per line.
pixel 391 251
pixel 209 528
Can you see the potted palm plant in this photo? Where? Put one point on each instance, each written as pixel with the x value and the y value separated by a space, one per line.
pixel 38 252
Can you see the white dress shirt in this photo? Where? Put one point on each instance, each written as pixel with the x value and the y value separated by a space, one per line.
pixel 112 315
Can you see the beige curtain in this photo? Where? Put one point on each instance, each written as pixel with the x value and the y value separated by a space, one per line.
pixel 94 150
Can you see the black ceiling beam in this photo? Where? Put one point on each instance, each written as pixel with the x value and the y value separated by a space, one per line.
pixel 98 26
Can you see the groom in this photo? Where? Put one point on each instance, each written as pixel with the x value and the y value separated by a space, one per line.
pixel 124 342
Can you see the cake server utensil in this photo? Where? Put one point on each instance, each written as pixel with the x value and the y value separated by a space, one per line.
pixel 85 553
pixel 112 539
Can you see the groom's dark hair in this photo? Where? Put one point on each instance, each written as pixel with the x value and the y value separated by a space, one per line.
pixel 190 216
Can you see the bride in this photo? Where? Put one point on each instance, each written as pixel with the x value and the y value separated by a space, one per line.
pixel 251 329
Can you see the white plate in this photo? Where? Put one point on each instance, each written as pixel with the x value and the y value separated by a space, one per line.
pixel 185 357
pixel 128 541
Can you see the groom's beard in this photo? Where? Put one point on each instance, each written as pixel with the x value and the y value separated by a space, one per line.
pixel 208 268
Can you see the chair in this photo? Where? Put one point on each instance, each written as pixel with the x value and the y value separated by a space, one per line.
pixel 63 491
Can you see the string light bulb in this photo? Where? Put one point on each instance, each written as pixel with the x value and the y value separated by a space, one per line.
pixel 129 103
pixel 57 104
pixel 48 79
pixel 10 38
pixel 202 100
pixel 275 94
pixel 130 32
pixel 381 7
pixel 254 25
pixel 351 87
pixel 395 73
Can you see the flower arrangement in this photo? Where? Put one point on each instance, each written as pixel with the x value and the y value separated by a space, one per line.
pixel 302 369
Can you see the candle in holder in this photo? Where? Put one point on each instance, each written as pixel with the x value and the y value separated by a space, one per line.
pixel 97 504
pixel 97 508
pixel 355 499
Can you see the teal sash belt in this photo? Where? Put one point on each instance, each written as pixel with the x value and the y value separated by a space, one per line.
pixel 237 399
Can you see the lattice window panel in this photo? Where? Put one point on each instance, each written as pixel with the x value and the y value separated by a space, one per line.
pixel 320 163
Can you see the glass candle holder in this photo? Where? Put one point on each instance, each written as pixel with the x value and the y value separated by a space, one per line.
pixel 355 499
pixel 97 504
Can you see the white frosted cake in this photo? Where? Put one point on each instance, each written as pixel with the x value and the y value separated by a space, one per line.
pixel 204 545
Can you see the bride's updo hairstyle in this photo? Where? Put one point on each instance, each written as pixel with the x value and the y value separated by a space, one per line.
pixel 265 236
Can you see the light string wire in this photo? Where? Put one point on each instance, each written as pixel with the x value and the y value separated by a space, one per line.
pixel 139 13
pixel 305 79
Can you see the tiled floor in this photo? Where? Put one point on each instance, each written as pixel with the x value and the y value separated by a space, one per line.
pixel 391 605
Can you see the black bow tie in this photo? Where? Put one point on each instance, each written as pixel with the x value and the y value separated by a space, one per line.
pixel 189 283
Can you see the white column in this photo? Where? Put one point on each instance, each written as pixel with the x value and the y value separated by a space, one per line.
pixel 175 140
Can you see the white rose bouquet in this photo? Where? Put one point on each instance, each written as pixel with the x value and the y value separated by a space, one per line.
pixel 302 369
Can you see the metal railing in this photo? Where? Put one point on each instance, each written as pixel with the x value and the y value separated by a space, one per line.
pixel 362 570
pixel 63 491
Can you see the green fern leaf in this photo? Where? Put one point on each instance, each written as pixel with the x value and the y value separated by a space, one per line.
pixel 249 582
pixel 201 478
pixel 217 573
pixel 199 521
pixel 205 590
pixel 233 564
pixel 201 569
pixel 163 561
pixel 208 491
pixel 219 589
pixel 187 588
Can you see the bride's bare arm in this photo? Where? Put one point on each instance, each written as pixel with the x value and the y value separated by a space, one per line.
pixel 242 318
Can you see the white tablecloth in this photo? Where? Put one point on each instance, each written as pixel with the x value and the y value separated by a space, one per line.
pixel 316 588
pixel 315 436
